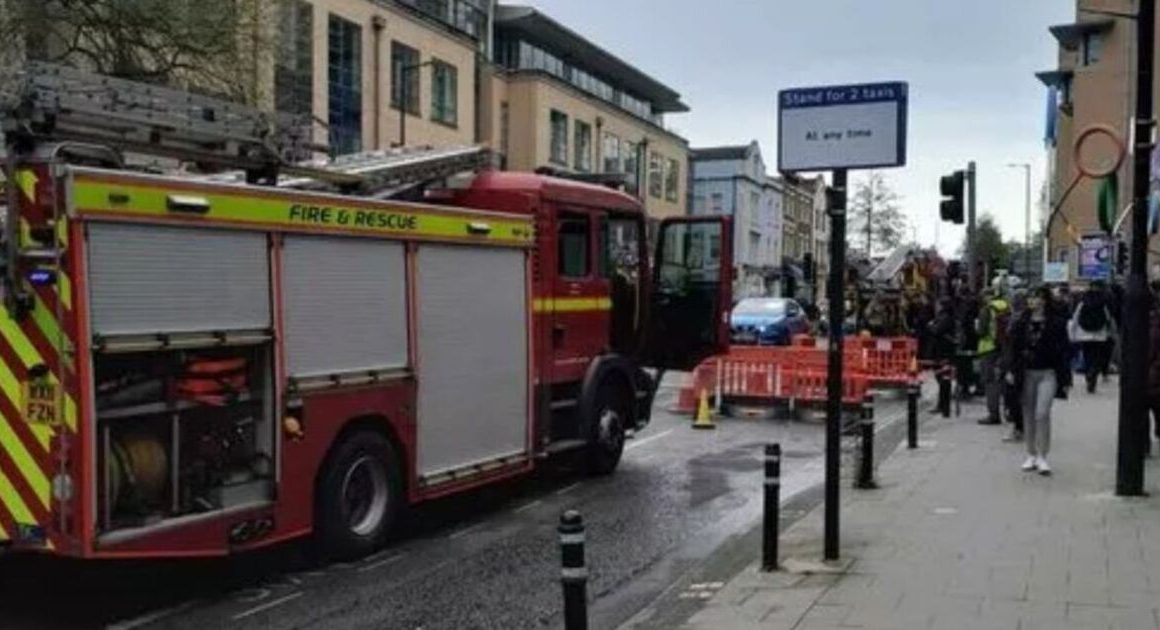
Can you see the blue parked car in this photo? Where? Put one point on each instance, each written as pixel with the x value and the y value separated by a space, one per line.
pixel 767 321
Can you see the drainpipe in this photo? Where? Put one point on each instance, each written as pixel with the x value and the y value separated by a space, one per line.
pixel 378 23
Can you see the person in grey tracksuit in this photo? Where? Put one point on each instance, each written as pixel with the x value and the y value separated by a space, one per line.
pixel 1040 352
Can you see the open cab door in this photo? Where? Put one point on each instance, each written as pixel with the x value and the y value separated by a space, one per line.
pixel 692 292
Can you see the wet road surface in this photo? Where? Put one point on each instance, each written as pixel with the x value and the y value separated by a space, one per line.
pixel 486 560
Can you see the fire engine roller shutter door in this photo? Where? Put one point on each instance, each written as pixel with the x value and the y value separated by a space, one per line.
pixel 473 356
pixel 147 279
pixel 345 305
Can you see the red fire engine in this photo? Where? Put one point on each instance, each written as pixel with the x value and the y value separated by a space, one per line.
pixel 191 366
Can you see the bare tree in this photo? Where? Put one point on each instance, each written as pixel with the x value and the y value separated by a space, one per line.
pixel 221 47
pixel 875 214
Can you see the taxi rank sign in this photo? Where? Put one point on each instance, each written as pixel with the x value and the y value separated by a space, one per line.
pixel 837 128
pixel 842 126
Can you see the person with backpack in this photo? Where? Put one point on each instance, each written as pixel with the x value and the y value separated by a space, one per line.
pixel 993 324
pixel 1091 327
pixel 1041 357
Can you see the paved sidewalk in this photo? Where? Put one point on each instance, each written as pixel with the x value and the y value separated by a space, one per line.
pixel 958 537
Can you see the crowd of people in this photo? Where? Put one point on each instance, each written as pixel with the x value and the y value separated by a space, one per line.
pixel 1019 352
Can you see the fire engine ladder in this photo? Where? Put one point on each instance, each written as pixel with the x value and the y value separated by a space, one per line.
pixel 387 173
pixel 105 118
pixel 887 270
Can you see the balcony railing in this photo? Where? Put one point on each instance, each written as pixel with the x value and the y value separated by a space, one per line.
pixel 466 16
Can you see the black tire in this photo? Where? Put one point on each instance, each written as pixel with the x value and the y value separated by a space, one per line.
pixel 358 498
pixel 611 414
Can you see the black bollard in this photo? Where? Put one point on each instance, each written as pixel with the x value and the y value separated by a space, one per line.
pixel 866 469
pixel 912 393
pixel 573 574
pixel 772 512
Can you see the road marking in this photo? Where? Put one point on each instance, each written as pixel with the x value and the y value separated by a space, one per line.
pixel 658 436
pixel 380 563
pixel 464 531
pixel 527 506
pixel 268 605
pixel 148 618
pixel 567 489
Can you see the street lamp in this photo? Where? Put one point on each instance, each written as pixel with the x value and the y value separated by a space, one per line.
pixel 404 73
pixel 1026 217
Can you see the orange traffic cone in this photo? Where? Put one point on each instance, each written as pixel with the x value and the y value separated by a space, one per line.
pixel 704 418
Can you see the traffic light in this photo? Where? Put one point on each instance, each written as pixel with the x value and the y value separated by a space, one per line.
pixel 951 188
pixel 808 266
pixel 1121 258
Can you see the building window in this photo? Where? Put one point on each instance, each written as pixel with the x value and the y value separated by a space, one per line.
pixel 717 203
pixel 533 58
pixel 1091 48
pixel 345 89
pixel 611 153
pixel 559 128
pixel 404 67
pixel 294 69
pixel 672 180
pixel 631 167
pixel 583 146
pixel 572 257
pixel 444 93
pixel 655 174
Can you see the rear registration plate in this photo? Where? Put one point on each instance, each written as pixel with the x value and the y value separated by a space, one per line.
pixel 42 402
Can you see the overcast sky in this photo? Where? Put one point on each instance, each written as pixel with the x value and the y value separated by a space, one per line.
pixel 970 65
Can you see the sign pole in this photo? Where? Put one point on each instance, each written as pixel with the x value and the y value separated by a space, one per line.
pixel 837 203
pixel 837 128
pixel 1133 418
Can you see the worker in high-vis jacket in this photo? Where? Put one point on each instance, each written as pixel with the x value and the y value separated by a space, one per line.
pixel 993 323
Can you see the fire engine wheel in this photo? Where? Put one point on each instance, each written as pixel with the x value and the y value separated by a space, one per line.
pixel 612 412
pixel 359 495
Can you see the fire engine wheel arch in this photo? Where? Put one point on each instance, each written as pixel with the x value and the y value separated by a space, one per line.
pixel 359 492
pixel 607 410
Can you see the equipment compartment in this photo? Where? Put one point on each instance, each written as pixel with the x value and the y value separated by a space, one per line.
pixel 183 432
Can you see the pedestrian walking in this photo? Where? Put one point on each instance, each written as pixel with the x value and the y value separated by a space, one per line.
pixel 1013 386
pixel 943 346
pixel 1040 354
pixel 1091 327
pixel 992 326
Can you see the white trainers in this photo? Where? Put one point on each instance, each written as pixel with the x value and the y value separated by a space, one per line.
pixel 1031 463
pixel 1041 464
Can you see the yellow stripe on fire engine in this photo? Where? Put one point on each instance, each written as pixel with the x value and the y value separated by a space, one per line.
pixel 26 180
pixel 27 466
pixel 4 535
pixel 12 501
pixel 571 305
pixel 301 213
pixel 28 356
pixel 11 387
pixel 46 321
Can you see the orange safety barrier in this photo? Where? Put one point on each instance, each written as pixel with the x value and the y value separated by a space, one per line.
pixel 891 362
pixel 772 374
pixel 806 341
pixel 811 387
